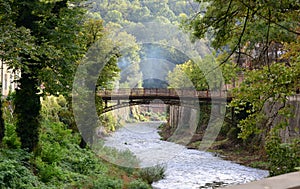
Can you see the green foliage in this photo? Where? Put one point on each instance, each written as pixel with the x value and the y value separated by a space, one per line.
pixel 14 175
pixel 262 37
pixel 283 157
pixel 263 96
pixel 247 27
pixel 156 22
pixel 129 62
pixel 51 106
pixel 135 11
pixel 15 172
pixel 56 109
pixel 107 183
pixel 97 69
pixel 11 140
pixel 138 184
pixel 124 158
pixel 152 174
pixel 102 54
pixel 270 85
pixel 2 126
pixel 202 74
pixel 109 122
pixel 40 40
pixel 260 165
pixel 61 163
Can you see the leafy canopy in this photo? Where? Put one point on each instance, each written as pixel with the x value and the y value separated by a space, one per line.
pixel 253 30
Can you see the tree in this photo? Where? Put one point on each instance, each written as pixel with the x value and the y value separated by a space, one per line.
pixel 96 71
pixel 200 74
pixel 13 41
pixel 43 44
pixel 94 33
pixel 246 29
pixel 129 61
pixel 259 36
pixel 114 16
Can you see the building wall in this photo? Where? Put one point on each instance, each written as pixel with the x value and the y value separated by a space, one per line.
pixel 7 79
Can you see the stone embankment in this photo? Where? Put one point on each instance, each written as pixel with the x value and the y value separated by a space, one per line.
pixel 286 181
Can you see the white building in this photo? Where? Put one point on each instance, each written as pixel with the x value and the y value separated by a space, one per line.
pixel 7 79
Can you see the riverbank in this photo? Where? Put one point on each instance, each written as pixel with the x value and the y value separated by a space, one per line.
pixel 225 149
pixel 243 157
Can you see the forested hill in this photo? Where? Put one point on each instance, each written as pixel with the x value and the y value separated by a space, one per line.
pixel 125 11
pixel 148 30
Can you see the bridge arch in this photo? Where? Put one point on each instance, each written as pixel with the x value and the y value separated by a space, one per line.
pixel 180 97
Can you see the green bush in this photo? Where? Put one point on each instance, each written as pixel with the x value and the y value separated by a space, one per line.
pixel 51 105
pixel 14 175
pixel 109 122
pixel 60 161
pixel 152 174
pixel 138 184
pixel 83 161
pixel 11 140
pixel 15 171
pixel 107 183
pixel 50 172
pixel 283 157
pixel 115 156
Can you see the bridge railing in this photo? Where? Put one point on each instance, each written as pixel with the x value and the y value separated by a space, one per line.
pixel 161 92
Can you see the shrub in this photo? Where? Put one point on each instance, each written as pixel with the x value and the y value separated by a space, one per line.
pixel 49 172
pixel 118 157
pixel 283 157
pixel 109 121
pixel 11 140
pixel 152 174
pixel 138 184
pixel 83 161
pixel 60 161
pixel 107 183
pixel 14 173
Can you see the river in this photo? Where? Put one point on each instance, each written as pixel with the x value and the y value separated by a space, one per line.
pixel 185 168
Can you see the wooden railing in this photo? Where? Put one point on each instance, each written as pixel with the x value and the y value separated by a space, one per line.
pixel 160 92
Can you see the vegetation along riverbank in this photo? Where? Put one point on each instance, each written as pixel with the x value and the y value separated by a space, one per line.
pixel 56 55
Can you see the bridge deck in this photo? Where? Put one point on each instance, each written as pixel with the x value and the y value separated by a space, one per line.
pixel 155 93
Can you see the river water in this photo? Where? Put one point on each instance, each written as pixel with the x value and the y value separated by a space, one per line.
pixel 185 168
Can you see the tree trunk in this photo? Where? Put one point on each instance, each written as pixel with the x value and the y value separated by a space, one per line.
pixel 27 110
pixel 82 144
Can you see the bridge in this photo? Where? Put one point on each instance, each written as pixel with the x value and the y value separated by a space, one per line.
pixel 185 97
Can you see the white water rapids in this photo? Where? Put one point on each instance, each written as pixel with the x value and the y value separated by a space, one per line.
pixel 185 168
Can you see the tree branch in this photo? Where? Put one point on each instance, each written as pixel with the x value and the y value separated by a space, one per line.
pixel 242 34
pixel 274 22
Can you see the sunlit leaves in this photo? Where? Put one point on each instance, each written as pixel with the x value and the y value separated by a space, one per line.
pixel 247 27
pixel 273 85
pixel 202 74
